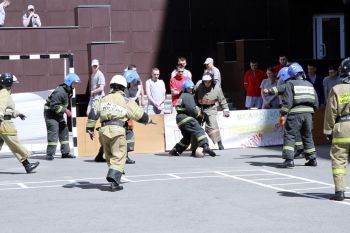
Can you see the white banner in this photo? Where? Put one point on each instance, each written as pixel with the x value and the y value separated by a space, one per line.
pixel 245 128
pixel 32 131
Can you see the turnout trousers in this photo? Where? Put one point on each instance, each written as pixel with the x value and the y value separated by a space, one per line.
pixel 57 130
pixel 339 154
pixel 295 124
pixel 8 135
pixel 188 129
pixel 114 146
pixel 211 124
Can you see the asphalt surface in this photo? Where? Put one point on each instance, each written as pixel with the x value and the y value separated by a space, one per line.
pixel 242 190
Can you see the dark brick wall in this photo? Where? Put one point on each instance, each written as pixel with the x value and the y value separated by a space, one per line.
pixel 155 33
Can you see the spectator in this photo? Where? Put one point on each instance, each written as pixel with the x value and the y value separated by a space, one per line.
pixel 139 93
pixel 252 81
pixel 155 91
pixel 283 62
pixel 269 101
pixel 330 81
pixel 210 68
pixel 3 6
pixel 317 82
pixel 176 83
pixel 97 84
pixel 30 18
pixel 182 61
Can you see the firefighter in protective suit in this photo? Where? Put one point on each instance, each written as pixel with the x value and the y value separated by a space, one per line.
pixel 337 129
pixel 279 90
pixel 209 96
pixel 299 102
pixel 114 110
pixel 8 131
pixel 56 105
pixel 129 75
pixel 187 117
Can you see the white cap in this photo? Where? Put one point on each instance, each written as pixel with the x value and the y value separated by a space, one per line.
pixel 30 7
pixel 206 77
pixel 208 61
pixel 95 62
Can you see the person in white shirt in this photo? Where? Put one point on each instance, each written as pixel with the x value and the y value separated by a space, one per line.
pixel 97 84
pixel 210 68
pixel 155 91
pixel 30 18
pixel 183 62
pixel 3 6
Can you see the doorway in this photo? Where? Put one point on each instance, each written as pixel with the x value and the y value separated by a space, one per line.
pixel 328 37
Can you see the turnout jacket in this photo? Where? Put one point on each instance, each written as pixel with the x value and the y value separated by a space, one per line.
pixel 299 96
pixel 208 97
pixel 58 101
pixel 115 109
pixel 186 108
pixel 7 105
pixel 337 109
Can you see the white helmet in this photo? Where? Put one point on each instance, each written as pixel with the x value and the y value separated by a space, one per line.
pixel 118 79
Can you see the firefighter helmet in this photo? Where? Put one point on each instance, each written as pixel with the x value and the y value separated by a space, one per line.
pixel 187 84
pixel 118 80
pixel 295 69
pixel 283 74
pixel 345 70
pixel 131 75
pixel 7 79
pixel 71 78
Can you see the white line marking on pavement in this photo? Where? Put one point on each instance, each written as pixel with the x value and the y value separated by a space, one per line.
pixel 284 190
pixel 256 174
pixel 305 182
pixel 297 177
pixel 175 176
pixel 22 185
pixel 277 178
pixel 323 187
pixel 126 179
pixel 240 175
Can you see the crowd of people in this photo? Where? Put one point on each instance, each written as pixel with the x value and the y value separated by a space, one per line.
pixel 256 80
pixel 285 86
pixel 29 19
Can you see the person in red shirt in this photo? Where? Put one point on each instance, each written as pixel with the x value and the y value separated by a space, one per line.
pixel 252 81
pixel 283 62
pixel 176 83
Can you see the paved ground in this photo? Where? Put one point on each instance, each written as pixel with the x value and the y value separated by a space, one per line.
pixel 242 190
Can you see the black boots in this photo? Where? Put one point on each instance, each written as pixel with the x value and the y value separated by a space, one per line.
pixel 99 156
pixel 114 177
pixel 338 196
pixel 221 147
pixel 311 163
pixel 30 166
pixel 67 156
pixel 174 152
pixel 129 161
pixel 207 150
pixel 288 163
pixel 64 156
pixel 49 157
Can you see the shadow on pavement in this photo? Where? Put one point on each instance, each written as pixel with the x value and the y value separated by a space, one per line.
pixel 311 195
pixel 11 173
pixel 88 185
pixel 271 164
